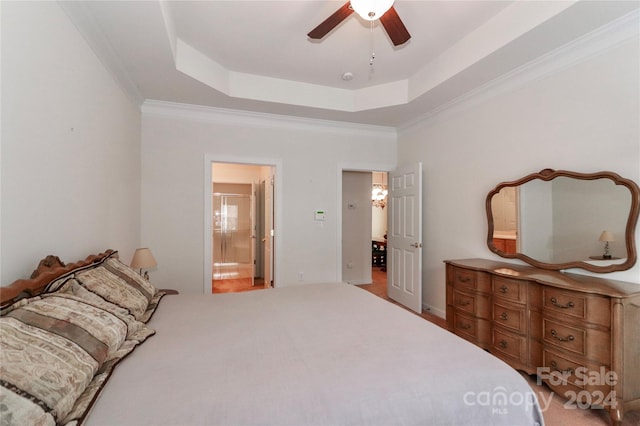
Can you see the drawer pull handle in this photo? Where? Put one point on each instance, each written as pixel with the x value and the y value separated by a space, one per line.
pixel 554 365
pixel 465 326
pixel 503 344
pixel 464 303
pixel 464 279
pixel 569 338
pixel 503 289
pixel 504 316
pixel 554 302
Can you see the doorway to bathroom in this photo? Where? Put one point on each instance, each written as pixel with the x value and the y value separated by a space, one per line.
pixel 241 227
pixel 234 230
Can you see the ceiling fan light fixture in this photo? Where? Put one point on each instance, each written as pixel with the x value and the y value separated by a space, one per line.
pixel 371 9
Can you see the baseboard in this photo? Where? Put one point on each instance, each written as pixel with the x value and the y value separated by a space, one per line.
pixel 357 282
pixel 434 311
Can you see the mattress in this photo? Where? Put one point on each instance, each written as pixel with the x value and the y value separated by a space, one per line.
pixel 315 354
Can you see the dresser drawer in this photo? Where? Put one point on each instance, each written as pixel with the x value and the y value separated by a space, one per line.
pixel 506 288
pixel 513 317
pixel 561 370
pixel 476 330
pixel 589 343
pixel 467 279
pixel 509 346
pixel 473 303
pixel 590 308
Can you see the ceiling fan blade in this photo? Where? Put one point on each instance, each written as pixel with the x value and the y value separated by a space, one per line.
pixel 395 28
pixel 331 22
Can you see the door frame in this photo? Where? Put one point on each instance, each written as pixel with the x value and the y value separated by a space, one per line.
pixel 276 164
pixel 347 167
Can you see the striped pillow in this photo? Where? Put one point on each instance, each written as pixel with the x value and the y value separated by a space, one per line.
pixel 50 350
pixel 136 330
pixel 120 285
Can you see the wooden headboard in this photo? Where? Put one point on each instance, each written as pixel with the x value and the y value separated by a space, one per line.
pixel 49 268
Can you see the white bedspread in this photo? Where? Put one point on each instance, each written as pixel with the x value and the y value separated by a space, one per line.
pixel 316 354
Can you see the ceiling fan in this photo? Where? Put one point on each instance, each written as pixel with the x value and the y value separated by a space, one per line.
pixel 370 10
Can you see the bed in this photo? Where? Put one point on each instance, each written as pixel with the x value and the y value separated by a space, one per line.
pixel 314 354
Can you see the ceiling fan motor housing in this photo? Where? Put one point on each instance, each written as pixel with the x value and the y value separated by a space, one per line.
pixel 371 9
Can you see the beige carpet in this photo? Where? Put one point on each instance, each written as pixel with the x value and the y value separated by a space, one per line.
pixel 557 414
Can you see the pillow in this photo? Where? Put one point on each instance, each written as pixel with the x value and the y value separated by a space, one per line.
pixel 113 263
pixel 59 281
pixel 115 289
pixel 57 350
pixel 131 276
pixel 136 330
pixel 137 333
pixel 50 350
pixel 139 286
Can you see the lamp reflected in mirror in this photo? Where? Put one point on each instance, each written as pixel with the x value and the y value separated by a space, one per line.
pixel 606 237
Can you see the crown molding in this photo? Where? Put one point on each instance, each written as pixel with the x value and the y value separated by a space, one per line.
pixel 620 31
pixel 258 119
pixel 86 25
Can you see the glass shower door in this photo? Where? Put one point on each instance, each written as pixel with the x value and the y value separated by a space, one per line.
pixel 232 237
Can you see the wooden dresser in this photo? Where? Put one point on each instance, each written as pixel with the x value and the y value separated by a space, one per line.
pixel 580 334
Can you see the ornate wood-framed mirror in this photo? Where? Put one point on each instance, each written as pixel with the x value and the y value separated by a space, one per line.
pixel 558 219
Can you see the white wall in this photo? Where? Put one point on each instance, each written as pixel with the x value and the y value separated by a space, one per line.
pixel 175 142
pixel 584 117
pixel 70 145
pixel 356 227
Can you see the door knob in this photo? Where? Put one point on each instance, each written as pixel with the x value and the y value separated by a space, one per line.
pixel 416 245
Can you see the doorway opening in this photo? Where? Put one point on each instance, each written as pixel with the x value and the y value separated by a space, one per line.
pixel 241 220
pixel 379 225
pixel 404 231
pixel 364 230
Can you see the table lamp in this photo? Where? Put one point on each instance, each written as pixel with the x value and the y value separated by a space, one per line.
pixel 143 259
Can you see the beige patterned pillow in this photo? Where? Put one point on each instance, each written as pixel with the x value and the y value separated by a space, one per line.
pixel 136 330
pixel 133 278
pixel 115 289
pixel 50 350
pixel 119 284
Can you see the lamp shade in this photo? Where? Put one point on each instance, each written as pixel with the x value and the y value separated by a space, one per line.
pixel 607 236
pixel 143 259
pixel 371 9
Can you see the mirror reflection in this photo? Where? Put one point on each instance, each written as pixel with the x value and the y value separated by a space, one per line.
pixel 565 221
pixel 504 205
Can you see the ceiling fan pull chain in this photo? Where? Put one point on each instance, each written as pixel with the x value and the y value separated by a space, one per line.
pixel 373 54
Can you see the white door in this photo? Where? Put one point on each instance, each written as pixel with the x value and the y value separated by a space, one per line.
pixel 268 231
pixel 404 236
